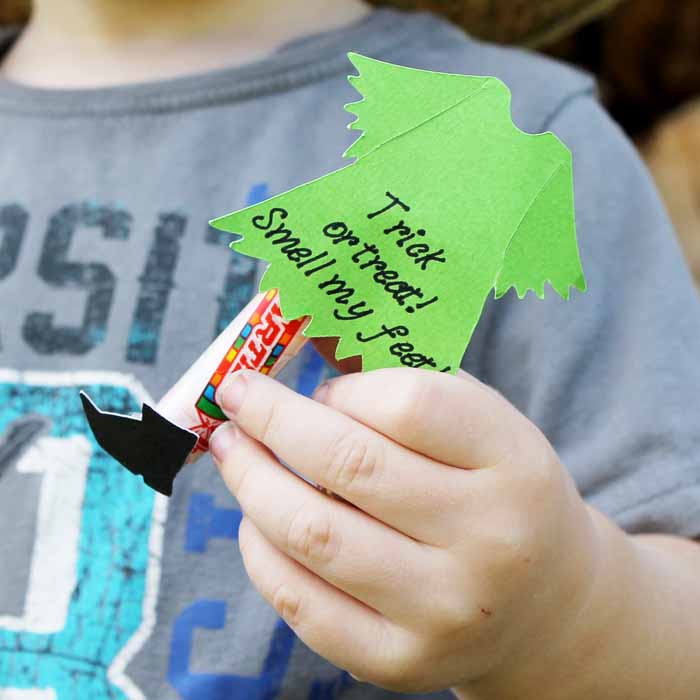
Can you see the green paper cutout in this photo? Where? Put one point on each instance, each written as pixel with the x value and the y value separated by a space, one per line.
pixel 447 199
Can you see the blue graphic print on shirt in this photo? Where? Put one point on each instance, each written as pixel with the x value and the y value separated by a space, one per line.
pixel 104 607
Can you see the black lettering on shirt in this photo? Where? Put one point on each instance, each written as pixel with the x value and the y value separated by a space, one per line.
pixel 96 279
pixel 13 224
pixel 156 283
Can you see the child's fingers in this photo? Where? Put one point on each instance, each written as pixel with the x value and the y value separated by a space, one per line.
pixel 454 420
pixel 368 560
pixel 333 624
pixel 349 459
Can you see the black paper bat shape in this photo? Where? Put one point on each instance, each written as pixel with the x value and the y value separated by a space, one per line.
pixel 151 446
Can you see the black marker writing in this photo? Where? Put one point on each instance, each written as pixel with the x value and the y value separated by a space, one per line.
pixel 315 258
pixel 314 270
pixel 339 233
pixel 258 220
pixel 337 287
pixel 420 252
pixel 395 332
pixel 354 312
pixel 395 201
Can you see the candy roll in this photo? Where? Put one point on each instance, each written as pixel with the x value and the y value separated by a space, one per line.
pixel 258 339
pixel 177 431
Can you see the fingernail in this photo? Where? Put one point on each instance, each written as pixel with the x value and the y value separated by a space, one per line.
pixel 233 392
pixel 321 392
pixel 222 441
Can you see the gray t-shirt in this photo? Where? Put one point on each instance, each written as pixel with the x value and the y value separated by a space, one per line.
pixel 111 279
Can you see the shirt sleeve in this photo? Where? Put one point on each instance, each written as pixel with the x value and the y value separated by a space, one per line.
pixel 612 376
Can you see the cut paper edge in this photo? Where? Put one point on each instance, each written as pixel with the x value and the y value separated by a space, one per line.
pixel 149 446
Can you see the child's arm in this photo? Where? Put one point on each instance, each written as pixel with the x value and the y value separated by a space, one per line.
pixel 462 555
pixel 638 638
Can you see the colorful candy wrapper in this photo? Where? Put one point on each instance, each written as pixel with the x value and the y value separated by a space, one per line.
pixel 157 444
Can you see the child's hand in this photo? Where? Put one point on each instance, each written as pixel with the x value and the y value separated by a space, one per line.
pixel 462 551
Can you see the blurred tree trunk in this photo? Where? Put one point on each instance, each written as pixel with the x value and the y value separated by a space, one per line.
pixel 14 11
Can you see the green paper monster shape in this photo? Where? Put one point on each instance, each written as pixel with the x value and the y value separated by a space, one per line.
pixel 446 200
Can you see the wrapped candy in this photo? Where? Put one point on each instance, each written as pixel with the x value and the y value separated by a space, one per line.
pixel 157 444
